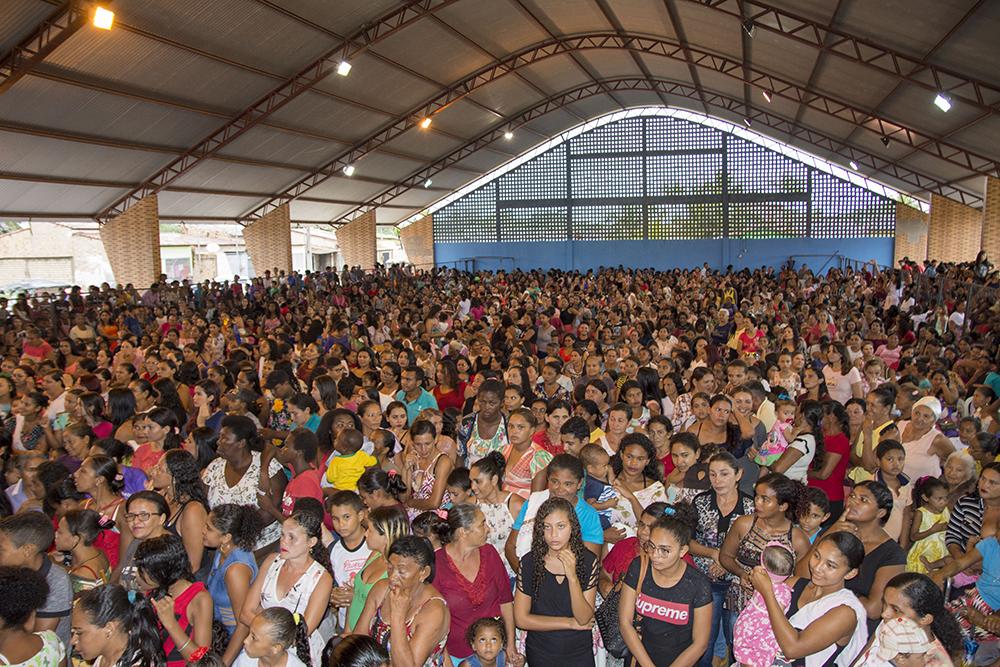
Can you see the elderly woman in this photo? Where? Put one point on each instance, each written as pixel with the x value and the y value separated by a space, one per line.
pixel 405 613
pixel 960 476
pixel 471 576
pixel 927 448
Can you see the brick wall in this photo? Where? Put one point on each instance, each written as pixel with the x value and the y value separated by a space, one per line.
pixel 911 234
pixel 418 242
pixel 358 246
pixel 269 242
pixel 132 243
pixel 991 220
pixel 955 231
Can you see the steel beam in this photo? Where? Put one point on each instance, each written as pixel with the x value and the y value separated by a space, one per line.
pixel 304 80
pixel 653 45
pixel 719 101
pixel 838 43
pixel 36 47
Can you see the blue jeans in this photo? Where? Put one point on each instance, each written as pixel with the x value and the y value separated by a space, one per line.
pixel 720 619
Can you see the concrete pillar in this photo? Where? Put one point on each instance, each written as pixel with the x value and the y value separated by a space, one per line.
pixel 132 243
pixel 269 242
pixel 955 231
pixel 358 245
pixel 911 234
pixel 991 220
pixel 418 243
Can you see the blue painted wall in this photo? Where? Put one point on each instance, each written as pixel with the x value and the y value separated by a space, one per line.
pixel 719 253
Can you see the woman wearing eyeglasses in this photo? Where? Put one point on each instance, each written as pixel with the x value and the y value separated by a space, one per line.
pixel 673 600
pixel 146 513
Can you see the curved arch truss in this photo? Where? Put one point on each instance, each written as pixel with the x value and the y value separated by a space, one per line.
pixel 780 87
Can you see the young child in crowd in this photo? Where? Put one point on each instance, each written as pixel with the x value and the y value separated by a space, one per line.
pixel 275 633
pixel 899 642
pixel 928 525
pixel 754 644
pixel 487 638
pixel 349 554
pixel 777 440
pixel 350 462
pixel 815 513
pixel 891 459
pixel 597 490
pixel 459 487
pixel 431 526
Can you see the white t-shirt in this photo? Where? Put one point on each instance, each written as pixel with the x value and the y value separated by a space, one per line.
pixel 839 385
pixel 806 444
pixel 243 660
pixel 346 564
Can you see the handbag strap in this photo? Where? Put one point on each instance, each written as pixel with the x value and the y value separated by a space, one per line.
pixel 643 568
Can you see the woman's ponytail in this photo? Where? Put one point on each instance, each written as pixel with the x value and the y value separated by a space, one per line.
pixel 302 640
pixel 144 645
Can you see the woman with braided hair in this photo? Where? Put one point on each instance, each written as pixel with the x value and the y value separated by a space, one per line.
pixel 556 589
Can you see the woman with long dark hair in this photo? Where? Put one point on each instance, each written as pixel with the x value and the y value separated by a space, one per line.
pixel 177 478
pixel 556 589
pixel 830 475
pixel 806 447
pixel 182 604
pixel 115 628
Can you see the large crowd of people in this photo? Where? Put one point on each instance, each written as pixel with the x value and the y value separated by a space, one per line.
pixel 406 468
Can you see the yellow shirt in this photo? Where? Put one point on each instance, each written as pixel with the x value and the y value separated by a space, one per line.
pixel 859 474
pixel 596 434
pixel 344 471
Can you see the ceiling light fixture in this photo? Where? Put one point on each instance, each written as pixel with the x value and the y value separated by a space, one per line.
pixel 854 165
pixel 885 141
pixel 942 102
pixel 349 170
pixel 428 183
pixel 425 123
pixel 508 135
pixel 103 18
pixel 746 121
pixel 749 26
pixel 767 95
pixel 344 68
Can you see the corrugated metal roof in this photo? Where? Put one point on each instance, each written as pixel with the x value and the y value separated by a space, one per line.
pixel 141 86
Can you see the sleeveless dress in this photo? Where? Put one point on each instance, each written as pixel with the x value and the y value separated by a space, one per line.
pixel 422 485
pixel 802 617
pixel 296 599
pixel 499 523
pixel 477 447
pixel 181 603
pixel 109 539
pixel 361 591
pixel 51 653
pixel 931 547
pixel 518 478
pixel 216 584
pixel 920 461
pixel 748 557
pixel 380 632
pixel 83 577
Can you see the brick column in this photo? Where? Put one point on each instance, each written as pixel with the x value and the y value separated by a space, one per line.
pixel 954 231
pixel 132 243
pixel 269 242
pixel 358 246
pixel 991 220
pixel 911 234
pixel 418 243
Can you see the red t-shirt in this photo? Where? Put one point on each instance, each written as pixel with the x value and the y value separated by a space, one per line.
pixel 833 486
pixel 453 399
pixel 303 485
pixel 39 352
pixel 543 440
pixel 467 600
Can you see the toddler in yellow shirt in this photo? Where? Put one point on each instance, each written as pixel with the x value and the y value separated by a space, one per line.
pixel 350 462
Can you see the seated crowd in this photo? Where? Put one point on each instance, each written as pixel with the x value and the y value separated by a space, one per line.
pixel 486 469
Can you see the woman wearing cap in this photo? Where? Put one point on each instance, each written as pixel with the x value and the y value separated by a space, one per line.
pixel 927 448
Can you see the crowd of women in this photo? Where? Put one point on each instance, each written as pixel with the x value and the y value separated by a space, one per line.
pixel 416 468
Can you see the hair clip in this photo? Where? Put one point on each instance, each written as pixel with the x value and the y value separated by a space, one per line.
pixel 669 511
pixel 297 617
pixel 200 653
pixel 132 596
pixel 119 477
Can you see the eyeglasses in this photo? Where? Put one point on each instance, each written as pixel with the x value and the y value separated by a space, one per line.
pixel 141 517
pixel 653 549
